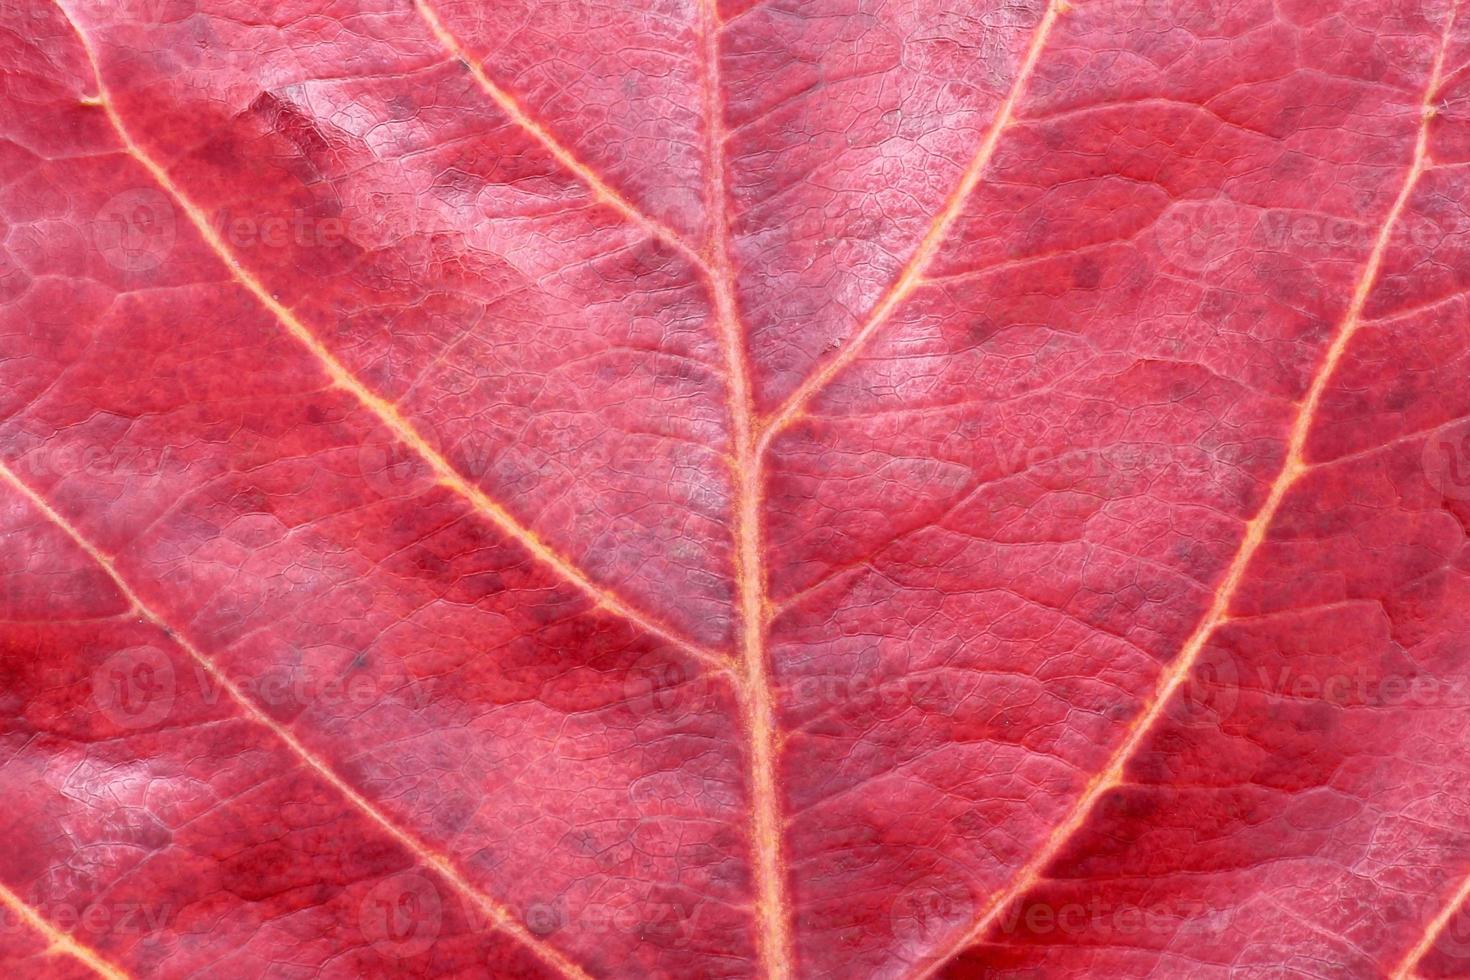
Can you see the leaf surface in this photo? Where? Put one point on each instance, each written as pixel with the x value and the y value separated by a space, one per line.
pixel 787 489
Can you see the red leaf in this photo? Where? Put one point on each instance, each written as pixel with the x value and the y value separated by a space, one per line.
pixel 789 489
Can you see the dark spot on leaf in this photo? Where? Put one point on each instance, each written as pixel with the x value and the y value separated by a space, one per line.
pixel 1087 274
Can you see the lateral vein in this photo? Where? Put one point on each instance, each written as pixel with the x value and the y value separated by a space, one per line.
pixel 1294 466
pixel 1408 966
pixel 512 108
pixel 60 941
pixel 912 274
pixel 430 858
pixel 386 412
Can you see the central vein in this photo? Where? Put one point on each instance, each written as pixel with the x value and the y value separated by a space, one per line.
pixel 754 690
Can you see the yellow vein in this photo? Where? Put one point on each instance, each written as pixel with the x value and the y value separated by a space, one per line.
pixel 502 916
pixel 384 410
pixel 1294 466
pixel 60 941
pixel 912 274
pixel 759 714
pixel 1409 964
pixel 507 103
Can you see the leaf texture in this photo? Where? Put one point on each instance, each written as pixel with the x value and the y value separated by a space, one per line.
pixel 791 489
